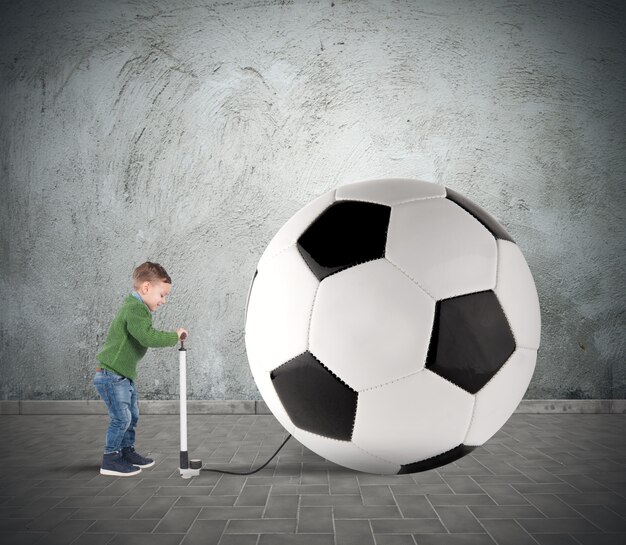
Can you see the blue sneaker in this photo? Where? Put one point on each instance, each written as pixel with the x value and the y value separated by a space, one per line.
pixel 115 464
pixel 129 454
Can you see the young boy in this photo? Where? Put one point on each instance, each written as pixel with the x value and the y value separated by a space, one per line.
pixel 129 337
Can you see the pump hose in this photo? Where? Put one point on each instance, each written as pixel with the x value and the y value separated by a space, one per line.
pixel 248 472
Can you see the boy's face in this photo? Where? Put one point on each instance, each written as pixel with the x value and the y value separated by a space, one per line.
pixel 154 293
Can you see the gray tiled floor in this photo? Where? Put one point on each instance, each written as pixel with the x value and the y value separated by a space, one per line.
pixel 543 479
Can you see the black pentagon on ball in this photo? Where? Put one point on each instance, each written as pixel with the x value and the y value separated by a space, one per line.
pixel 491 223
pixel 314 398
pixel 471 340
pixel 345 234
pixel 436 461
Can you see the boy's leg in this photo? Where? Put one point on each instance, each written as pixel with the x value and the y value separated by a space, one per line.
pixel 128 442
pixel 128 439
pixel 115 392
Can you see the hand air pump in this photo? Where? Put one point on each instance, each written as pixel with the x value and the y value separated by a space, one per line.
pixel 188 468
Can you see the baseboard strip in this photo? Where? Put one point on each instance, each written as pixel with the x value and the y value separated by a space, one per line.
pixel 95 406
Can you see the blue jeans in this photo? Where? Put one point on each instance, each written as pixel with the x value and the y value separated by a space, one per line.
pixel 120 396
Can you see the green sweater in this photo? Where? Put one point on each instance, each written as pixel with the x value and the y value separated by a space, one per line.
pixel 129 337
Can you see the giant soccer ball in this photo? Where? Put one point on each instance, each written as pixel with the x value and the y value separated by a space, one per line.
pixel 392 326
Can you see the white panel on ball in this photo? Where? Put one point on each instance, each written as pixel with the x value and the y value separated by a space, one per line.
pixel 442 247
pixel 517 294
pixel 387 332
pixel 295 226
pixel 279 310
pixel 345 453
pixel 499 398
pixel 390 192
pixel 413 418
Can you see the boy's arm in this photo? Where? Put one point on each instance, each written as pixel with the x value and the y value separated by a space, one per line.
pixel 139 325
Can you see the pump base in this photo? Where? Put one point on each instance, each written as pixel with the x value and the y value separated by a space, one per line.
pixel 189 468
pixel 188 473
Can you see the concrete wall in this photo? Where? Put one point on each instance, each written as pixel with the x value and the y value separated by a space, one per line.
pixel 188 132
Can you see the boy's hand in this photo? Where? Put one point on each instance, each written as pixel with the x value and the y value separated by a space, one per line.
pixel 180 332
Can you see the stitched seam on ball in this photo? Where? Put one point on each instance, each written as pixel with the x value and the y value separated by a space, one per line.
pixel 390 205
pixel 412 279
pixel 449 382
pixel 409 201
pixel 308 333
pixel 495 238
pixel 485 385
pixel 415 373
pixel 333 374
pixel 453 384
pixel 346 385
pixel 354 445
pixel 387 232
pixel 495 280
pixel 355 265
pixel 270 257
pixel 469 427
pixel 498 268
pixel 273 256
pixel 288 361
pixel 356 410
pixel 517 348
pixel 318 361
pixel 390 382
pixel 345 199
pixel 476 218
pixel 508 320
pixel 374 455
pixel 498 271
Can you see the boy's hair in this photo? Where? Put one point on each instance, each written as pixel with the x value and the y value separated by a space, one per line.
pixel 150 272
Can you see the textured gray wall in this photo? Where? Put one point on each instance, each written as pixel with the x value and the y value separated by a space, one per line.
pixel 188 132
